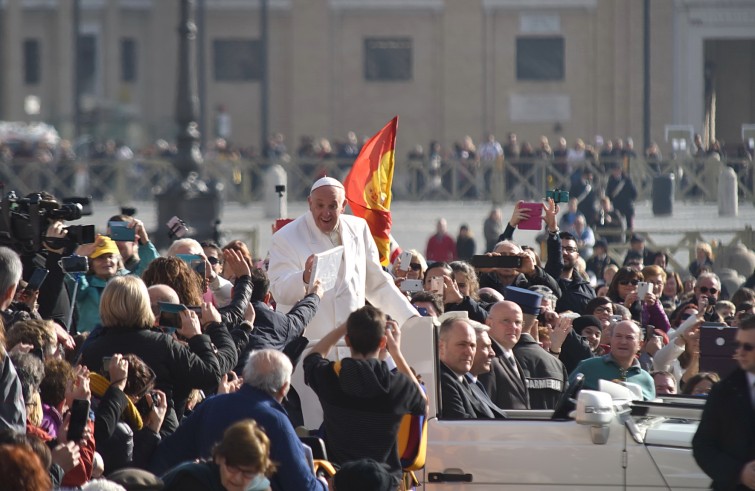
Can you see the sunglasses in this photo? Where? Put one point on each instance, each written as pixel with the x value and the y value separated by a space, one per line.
pixel 705 289
pixel 213 260
pixel 744 346
pixel 629 282
pixel 415 266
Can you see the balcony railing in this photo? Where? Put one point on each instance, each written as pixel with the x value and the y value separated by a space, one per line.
pixel 243 181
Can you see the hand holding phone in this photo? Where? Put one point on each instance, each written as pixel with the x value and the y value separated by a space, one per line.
pixel 169 315
pixel 120 231
pixel 36 279
pixel 190 325
pixel 643 288
pixel 116 367
pixel 411 286
pixel 74 264
pixel 79 418
pixel 207 314
pixel 405 260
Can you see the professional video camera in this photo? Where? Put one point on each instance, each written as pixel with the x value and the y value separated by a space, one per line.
pixel 24 221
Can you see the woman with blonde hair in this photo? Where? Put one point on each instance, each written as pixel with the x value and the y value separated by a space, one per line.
pixel 703 259
pixel 127 320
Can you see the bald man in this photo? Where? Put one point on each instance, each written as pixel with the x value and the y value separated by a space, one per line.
pixel 457 345
pixel 505 383
pixel 161 293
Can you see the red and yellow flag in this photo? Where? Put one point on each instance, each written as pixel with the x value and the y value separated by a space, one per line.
pixel 368 186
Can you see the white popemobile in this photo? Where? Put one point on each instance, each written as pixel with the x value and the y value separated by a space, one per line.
pixel 609 442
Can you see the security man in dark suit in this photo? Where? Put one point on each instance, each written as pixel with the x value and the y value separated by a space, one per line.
pixel 483 363
pixel 506 383
pixel 724 445
pixel 456 347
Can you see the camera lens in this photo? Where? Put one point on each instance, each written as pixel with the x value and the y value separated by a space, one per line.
pixel 68 211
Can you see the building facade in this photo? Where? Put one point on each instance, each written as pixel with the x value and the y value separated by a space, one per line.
pixel 448 68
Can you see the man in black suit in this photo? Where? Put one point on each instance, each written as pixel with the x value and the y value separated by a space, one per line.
pixel 274 329
pixel 724 445
pixel 506 383
pixel 483 363
pixel 456 348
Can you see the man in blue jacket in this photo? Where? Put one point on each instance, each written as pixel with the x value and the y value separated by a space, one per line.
pixel 267 378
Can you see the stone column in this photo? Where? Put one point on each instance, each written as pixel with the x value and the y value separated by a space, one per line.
pixel 12 97
pixel 112 50
pixel 62 105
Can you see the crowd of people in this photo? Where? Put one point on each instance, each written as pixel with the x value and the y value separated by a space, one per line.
pixel 176 370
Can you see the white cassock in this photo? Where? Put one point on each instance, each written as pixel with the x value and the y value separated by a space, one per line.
pixel 360 278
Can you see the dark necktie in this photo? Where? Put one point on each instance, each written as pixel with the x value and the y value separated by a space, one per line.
pixel 481 387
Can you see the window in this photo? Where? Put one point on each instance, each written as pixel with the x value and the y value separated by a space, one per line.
pixel 32 66
pixel 540 58
pixel 128 60
pixel 237 60
pixel 387 59
pixel 87 64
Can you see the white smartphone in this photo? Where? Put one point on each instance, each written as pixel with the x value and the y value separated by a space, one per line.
pixel 405 260
pixel 411 286
pixel 643 288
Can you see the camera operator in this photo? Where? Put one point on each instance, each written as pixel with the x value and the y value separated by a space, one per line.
pixel 137 253
pixel 707 290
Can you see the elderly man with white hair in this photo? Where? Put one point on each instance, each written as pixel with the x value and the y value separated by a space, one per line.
pixel 267 379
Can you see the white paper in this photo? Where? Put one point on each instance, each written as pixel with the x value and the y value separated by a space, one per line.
pixel 325 268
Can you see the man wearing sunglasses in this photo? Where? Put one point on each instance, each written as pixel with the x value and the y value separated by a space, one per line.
pixel 708 286
pixel 724 444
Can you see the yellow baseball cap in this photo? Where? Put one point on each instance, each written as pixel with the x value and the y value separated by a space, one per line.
pixel 104 245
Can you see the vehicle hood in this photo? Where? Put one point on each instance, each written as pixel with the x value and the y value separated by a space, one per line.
pixel 364 378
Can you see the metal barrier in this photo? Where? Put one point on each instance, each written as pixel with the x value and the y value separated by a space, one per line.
pixel 414 180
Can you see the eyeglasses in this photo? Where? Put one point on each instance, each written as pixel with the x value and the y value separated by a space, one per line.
pixel 569 250
pixel 213 260
pixel 743 346
pixel 246 473
pixel 415 266
pixel 629 282
pixel 705 289
pixel 603 310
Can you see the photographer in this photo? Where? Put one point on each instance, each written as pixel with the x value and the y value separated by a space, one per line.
pixel 136 253
pixel 523 277
pixel 53 299
pixel 708 285
pixel 104 264
pixel 128 412
pixel 563 253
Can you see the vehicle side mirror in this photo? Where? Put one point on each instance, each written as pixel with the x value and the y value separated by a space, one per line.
pixel 596 410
